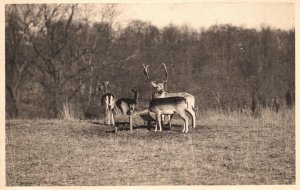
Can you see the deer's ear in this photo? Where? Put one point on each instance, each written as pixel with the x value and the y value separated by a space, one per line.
pixel 154 84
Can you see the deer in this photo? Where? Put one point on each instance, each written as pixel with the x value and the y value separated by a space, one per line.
pixel 108 104
pixel 160 92
pixel 127 106
pixel 156 94
pixel 169 106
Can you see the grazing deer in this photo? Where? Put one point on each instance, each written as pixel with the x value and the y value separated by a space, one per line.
pixel 169 106
pixel 108 104
pixel 127 106
pixel 160 92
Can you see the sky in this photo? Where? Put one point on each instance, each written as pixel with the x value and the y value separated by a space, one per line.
pixel 197 15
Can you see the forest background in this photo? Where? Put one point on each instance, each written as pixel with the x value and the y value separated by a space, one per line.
pixel 56 57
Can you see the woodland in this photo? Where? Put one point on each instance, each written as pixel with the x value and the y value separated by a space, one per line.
pixel 56 56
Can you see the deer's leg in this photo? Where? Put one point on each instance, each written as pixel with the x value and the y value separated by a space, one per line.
pixel 193 119
pixel 116 127
pixel 108 118
pixel 192 112
pixel 130 122
pixel 105 117
pixel 158 121
pixel 170 118
pixel 186 124
pixel 162 119
pixel 112 118
pixel 184 116
pixel 160 125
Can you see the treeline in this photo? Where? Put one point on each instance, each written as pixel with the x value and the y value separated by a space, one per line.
pixel 55 59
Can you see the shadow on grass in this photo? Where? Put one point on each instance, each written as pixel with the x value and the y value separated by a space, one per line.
pixel 96 123
pixel 101 129
pixel 174 128
pixel 125 127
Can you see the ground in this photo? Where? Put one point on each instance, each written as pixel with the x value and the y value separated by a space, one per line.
pixel 222 150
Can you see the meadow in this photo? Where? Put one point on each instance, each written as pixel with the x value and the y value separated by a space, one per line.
pixel 224 149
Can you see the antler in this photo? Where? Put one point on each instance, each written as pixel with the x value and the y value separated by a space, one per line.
pixel 166 72
pixel 146 72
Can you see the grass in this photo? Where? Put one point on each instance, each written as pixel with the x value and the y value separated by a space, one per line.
pixel 224 149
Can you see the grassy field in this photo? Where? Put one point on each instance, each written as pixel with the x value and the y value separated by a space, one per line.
pixel 224 149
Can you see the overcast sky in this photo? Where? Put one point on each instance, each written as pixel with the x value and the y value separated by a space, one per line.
pixel 250 15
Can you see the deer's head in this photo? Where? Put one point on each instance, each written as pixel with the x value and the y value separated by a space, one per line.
pixel 159 86
pixel 103 86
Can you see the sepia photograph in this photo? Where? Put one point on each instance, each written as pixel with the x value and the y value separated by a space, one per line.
pixel 149 93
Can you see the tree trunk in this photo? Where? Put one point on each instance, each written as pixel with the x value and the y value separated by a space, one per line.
pixel 14 106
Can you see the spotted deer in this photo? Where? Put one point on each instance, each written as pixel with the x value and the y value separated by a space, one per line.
pixel 169 106
pixel 127 106
pixel 160 92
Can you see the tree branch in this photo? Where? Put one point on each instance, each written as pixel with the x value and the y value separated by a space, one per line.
pixel 73 94
pixel 46 59
pixel 129 57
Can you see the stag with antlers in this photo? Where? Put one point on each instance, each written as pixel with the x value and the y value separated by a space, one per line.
pixel 160 92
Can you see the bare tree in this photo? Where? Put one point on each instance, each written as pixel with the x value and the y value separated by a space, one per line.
pixel 57 66
pixel 56 54
pixel 18 25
